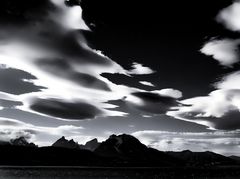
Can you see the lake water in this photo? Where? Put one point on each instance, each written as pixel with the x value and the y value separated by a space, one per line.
pixel 113 173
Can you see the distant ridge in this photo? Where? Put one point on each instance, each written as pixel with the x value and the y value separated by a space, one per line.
pixel 20 141
pixel 201 158
pixel 118 150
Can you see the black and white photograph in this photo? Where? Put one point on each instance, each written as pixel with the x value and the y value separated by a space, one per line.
pixel 119 89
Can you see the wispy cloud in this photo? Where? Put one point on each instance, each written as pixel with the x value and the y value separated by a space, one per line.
pixel 12 128
pixel 146 83
pixel 57 67
pixel 223 142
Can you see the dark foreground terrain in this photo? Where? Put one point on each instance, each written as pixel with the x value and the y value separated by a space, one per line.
pixel 118 173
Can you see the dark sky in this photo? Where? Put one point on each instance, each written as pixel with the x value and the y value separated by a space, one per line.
pixel 166 36
pixel 161 71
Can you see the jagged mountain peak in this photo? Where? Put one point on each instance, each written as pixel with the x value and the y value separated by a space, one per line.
pixel 124 139
pixel 122 144
pixel 62 139
pixel 21 141
pixel 93 140
pixel 91 145
pixel 64 143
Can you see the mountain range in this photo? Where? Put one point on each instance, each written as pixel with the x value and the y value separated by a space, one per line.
pixel 117 151
pixel 71 144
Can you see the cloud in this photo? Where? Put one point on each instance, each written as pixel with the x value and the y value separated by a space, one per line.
pixel 9 104
pixel 65 70
pixel 229 81
pixel 139 69
pixel 146 116
pixel 52 60
pixel 70 18
pixel 58 75
pixel 146 83
pixel 152 102
pixel 8 101
pixel 225 51
pixel 223 142
pixel 229 16
pixel 64 110
pixel 218 110
pixel 17 81
pixel 11 129
pixel 229 121
pixel 169 92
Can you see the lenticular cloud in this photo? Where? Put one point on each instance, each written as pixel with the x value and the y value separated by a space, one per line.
pixel 57 55
pixel 64 70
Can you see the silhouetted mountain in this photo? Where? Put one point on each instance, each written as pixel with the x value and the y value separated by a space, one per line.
pixel 71 144
pixel 64 143
pixel 118 150
pixel 119 145
pixel 21 141
pixel 91 145
pixel 202 158
pixel 129 149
